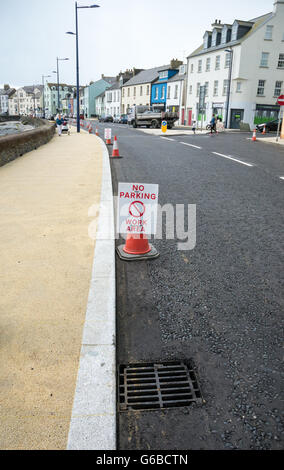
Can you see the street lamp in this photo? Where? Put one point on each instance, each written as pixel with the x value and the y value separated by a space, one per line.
pixel 229 85
pixel 57 72
pixel 77 59
pixel 43 100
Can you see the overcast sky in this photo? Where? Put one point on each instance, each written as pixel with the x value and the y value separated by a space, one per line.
pixel 120 34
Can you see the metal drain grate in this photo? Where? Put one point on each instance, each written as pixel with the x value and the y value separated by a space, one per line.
pixel 155 386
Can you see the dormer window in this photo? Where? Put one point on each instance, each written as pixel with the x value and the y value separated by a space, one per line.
pixel 216 37
pixel 207 40
pixel 226 34
pixel 163 75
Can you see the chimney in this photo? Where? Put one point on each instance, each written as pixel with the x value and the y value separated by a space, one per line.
pixel 175 63
pixel 277 5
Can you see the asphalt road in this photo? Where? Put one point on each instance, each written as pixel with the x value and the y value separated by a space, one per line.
pixel 220 305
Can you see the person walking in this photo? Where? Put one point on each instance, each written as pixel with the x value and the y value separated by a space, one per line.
pixel 193 126
pixel 59 122
pixel 213 124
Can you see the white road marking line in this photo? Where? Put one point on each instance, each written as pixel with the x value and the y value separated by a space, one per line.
pixel 281 177
pixel 231 158
pixel 191 145
pixel 167 138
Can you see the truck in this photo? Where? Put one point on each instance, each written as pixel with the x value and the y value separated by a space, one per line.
pixel 150 116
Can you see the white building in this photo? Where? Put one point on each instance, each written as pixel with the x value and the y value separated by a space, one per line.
pixel 26 101
pixel 242 67
pixel 5 93
pixel 66 93
pixel 113 100
pixel 100 104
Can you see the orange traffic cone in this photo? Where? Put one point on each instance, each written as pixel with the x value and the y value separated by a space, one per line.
pixel 137 247
pixel 97 132
pixel 90 129
pixel 264 130
pixel 254 135
pixel 115 151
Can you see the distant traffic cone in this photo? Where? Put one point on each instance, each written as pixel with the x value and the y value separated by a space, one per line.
pixel 115 151
pixel 108 141
pixel 264 130
pixel 90 129
pixel 97 132
pixel 254 135
pixel 137 247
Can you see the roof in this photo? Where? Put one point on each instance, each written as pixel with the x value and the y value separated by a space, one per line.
pixel 109 79
pixel 146 76
pixel 177 77
pixel 256 23
pixel 115 86
pixel 62 85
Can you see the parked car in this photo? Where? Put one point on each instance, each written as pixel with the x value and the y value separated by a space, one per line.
pixel 116 119
pixel 123 119
pixel 269 126
pixel 106 118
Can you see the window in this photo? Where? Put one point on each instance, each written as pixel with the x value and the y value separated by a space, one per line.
pixel 225 87
pixel 264 59
pixel 197 89
pixel 281 61
pixel 191 68
pixel 238 87
pixel 122 92
pixel 176 91
pixel 208 64
pixel 148 89
pixel 260 88
pixel 134 91
pixel 227 60
pixel 169 92
pixel 163 75
pixel 277 90
pixel 206 88
pixel 190 89
pixel 163 93
pixel 128 92
pixel 217 63
pixel 199 66
pixel 215 90
pixel 156 93
pixel 268 33
pixel 141 90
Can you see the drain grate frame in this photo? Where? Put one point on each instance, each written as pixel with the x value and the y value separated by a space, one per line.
pixel 154 386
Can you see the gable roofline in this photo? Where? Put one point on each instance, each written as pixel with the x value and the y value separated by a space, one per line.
pixel 256 24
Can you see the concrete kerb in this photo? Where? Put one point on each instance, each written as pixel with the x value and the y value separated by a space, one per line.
pixel 93 421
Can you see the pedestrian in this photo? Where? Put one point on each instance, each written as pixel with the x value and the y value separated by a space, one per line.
pixel 59 122
pixel 193 126
pixel 213 124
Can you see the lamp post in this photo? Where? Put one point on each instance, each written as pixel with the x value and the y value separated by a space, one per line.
pixel 57 72
pixel 229 85
pixel 43 100
pixel 77 59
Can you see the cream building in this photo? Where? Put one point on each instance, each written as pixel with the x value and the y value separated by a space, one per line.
pixel 26 100
pixel 241 66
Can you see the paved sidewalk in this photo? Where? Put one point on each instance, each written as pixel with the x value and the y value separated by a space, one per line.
pixel 271 140
pixel 46 266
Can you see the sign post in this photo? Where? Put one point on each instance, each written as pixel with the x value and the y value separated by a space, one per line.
pixel 280 101
pixel 164 126
pixel 202 90
pixel 137 217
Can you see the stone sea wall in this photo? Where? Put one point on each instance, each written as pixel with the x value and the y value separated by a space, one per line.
pixel 15 145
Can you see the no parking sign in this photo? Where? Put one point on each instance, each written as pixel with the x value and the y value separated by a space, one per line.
pixel 137 208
